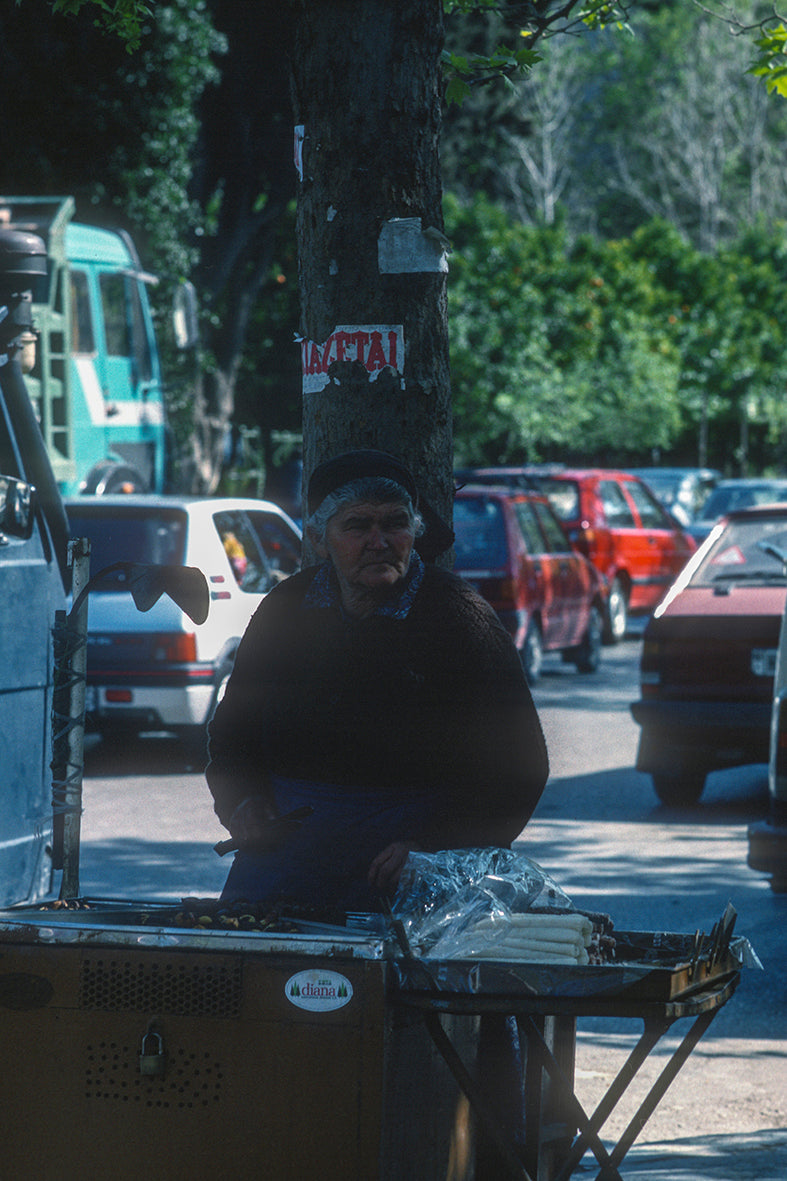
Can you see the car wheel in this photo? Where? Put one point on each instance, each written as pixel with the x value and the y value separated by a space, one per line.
pixel 679 789
pixel 616 622
pixel 532 653
pixel 587 654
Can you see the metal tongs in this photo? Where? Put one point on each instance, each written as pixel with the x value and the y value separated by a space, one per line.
pixel 713 947
pixel 294 818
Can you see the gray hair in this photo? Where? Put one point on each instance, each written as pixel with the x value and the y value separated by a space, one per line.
pixel 373 490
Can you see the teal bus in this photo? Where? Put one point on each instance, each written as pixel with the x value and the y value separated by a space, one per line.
pixel 94 372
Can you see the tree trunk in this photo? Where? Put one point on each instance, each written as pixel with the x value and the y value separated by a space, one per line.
pixel 366 100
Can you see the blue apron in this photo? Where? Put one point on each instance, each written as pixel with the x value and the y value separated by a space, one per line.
pixel 325 862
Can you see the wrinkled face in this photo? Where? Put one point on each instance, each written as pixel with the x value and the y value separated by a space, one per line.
pixel 370 547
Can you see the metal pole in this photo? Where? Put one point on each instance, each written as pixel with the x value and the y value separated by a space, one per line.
pixel 79 558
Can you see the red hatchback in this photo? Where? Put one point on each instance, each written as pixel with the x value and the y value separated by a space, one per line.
pixel 709 655
pixel 615 520
pixel 511 548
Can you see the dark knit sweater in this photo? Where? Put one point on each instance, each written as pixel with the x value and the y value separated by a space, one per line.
pixel 435 703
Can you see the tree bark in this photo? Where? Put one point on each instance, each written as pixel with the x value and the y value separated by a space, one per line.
pixel 366 92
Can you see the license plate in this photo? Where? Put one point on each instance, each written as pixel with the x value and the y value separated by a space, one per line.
pixel 763 662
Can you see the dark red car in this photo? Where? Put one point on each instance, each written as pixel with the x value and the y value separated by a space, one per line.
pixel 615 520
pixel 709 655
pixel 510 546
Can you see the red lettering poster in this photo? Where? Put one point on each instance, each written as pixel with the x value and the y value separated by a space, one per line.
pixel 377 347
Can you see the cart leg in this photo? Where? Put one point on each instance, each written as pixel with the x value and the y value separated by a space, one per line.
pixel 509 1164
pixel 657 1091
pixel 652 1033
pixel 564 1086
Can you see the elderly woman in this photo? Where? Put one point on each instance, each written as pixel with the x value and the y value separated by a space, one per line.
pixel 377 690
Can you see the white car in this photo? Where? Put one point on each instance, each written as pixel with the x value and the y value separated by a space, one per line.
pixel 158 670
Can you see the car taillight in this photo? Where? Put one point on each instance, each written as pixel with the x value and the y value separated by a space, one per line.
pixel 179 648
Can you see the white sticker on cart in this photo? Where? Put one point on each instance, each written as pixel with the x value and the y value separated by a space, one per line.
pixel 318 990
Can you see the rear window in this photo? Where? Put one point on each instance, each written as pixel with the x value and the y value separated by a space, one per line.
pixel 616 508
pixel 130 535
pixel 480 534
pixel 651 513
pixel 563 495
pixel 724 500
pixel 746 551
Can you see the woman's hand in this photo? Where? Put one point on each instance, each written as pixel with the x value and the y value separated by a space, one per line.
pixel 249 822
pixel 386 869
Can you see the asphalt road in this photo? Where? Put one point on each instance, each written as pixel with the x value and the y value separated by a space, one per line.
pixel 148 831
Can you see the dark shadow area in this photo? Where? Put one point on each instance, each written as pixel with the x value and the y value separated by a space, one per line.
pixel 150 753
pixel 735 796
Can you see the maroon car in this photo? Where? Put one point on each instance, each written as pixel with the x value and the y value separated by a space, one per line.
pixel 511 547
pixel 709 654
pixel 615 520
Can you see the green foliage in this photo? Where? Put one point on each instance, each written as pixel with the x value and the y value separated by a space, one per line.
pixel 526 26
pixel 122 18
pixel 771 64
pixel 606 351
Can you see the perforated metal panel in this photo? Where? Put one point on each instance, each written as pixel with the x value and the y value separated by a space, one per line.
pixel 192 1079
pixel 133 984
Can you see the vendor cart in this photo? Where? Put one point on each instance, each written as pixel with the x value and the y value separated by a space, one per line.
pixel 134 1046
pixel 198 1042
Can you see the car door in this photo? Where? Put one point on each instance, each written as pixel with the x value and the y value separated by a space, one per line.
pixel 661 547
pixel 540 576
pixel 630 546
pixel 572 591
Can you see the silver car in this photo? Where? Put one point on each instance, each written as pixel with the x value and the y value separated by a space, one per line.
pixel 159 670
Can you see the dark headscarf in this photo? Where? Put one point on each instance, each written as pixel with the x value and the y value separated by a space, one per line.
pixel 356 465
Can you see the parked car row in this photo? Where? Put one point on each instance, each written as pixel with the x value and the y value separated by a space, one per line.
pixel 614 519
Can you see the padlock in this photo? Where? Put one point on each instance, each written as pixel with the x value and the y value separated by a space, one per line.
pixel 152 1059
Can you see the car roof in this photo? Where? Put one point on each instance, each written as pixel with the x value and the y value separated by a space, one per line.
pixel 500 492
pixel 675 471
pixel 195 504
pixel 754 482
pixel 557 470
pixel 776 509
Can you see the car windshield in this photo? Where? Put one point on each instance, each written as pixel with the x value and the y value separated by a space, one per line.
pixel 155 537
pixel 563 495
pixel 725 500
pixel 746 551
pixel 480 534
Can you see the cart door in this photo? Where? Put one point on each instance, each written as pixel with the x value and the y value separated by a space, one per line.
pixel 30 593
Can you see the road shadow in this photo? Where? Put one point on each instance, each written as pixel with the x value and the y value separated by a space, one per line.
pixel 735 796
pixel 132 869
pixel 141 754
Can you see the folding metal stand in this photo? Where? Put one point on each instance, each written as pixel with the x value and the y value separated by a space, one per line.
pixel 552 1150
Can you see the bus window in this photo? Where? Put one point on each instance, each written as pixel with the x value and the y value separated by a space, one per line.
pixel 82 336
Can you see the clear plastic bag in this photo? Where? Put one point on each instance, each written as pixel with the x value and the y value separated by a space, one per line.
pixel 442 896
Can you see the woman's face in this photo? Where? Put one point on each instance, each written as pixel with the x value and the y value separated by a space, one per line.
pixel 370 547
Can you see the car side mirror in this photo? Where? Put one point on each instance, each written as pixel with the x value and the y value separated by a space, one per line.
pixel 185 585
pixel 17 507
pixel 185 316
